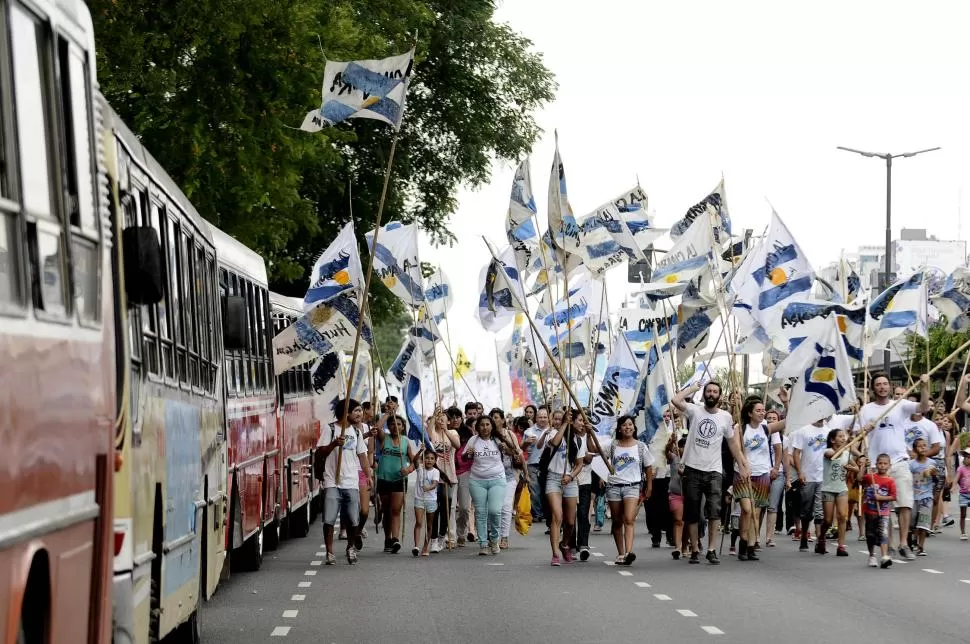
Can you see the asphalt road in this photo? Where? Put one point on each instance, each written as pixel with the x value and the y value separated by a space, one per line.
pixel 517 596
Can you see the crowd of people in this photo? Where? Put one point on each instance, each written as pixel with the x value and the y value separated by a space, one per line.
pixel 891 463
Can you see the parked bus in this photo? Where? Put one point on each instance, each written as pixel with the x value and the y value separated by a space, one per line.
pixel 299 426
pixel 58 383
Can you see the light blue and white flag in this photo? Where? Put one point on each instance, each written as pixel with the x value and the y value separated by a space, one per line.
pixel 774 272
pixel 901 307
pixel 643 328
pixel 700 377
pixel 326 328
pixel 658 389
pixel 569 311
pixel 715 207
pixel 501 292
pixel 438 295
pixel 954 300
pixel 574 343
pixel 627 221
pixel 825 386
pixel 803 318
pixel 618 392
pixel 368 89
pixel 336 270
pixel 689 257
pixel 520 225
pixel 850 286
pixel 563 228
pixel 695 316
pixel 408 361
pixel 411 390
pixel 396 261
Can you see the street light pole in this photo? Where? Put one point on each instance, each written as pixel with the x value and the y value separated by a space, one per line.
pixel 889 209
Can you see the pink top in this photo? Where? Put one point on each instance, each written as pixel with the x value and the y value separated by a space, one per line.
pixel 963 479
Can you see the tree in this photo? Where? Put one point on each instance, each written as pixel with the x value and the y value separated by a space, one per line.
pixel 214 87
pixel 942 343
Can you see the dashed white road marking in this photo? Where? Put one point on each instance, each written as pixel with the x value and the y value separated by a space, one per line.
pixel 290 614
pixel 610 563
pixel 900 561
pixel 625 573
pixel 309 573
pixel 297 598
pixel 712 630
pixel 686 613
pixel 320 554
pixel 966 581
pixel 663 598
pixel 304 584
pixel 642 584
pixel 495 564
pixel 932 571
pixel 316 562
pixel 597 554
pixel 280 631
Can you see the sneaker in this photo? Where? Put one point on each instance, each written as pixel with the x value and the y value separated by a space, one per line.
pixel 936 530
pixel 948 521
pixel 841 552
pixel 620 560
pixel 862 537
pixel 555 561
pixel 732 551
pixel 584 554
pixel 395 547
pixel 886 562
pixel 415 551
pixel 811 537
pixel 906 554
pixel 504 543
pixel 331 560
pixel 352 556
pixel 712 557
pixel 791 530
pixel 770 543
pixel 873 562
pixel 820 548
pixel 803 546
pixel 694 558
pixel 796 535
pixel 469 537
pixel 387 547
pixel 742 554
pixel 752 555
pixel 630 558
pixel 483 551
pixel 757 545
pixel 920 553
pixel 963 537
pixel 675 554
pixel 493 547
pixel 436 545
pixel 461 542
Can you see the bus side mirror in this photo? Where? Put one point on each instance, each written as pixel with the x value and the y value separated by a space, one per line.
pixel 144 282
pixel 234 327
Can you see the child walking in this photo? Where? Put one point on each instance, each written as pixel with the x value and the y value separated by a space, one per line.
pixel 963 481
pixel 924 476
pixel 835 491
pixel 852 478
pixel 425 499
pixel 879 492
pixel 675 494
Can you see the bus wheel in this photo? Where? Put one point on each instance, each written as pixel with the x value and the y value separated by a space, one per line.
pixel 251 553
pixel 272 539
pixel 300 522
pixel 187 633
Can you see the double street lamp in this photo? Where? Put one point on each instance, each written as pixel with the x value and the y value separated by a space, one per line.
pixel 889 199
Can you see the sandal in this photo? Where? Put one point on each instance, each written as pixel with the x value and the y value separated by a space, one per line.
pixel 620 560
pixel 770 543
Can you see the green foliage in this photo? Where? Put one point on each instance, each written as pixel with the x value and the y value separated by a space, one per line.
pixel 214 88
pixel 941 344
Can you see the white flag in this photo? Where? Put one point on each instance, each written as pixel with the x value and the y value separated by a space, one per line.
pixel 336 270
pixel 825 386
pixel 618 393
pixel 396 261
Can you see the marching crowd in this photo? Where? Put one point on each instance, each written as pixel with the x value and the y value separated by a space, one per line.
pixel 891 463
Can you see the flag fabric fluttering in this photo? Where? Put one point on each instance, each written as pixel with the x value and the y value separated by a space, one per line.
pixel 371 89
pixel 396 261
pixel 825 386
pixel 336 270
pixel 438 295
pixel 642 328
pixel 688 258
pixel 901 307
pixel 408 361
pixel 657 389
pixel 502 292
pixel 563 229
pixel 462 364
pixel 327 327
pixel 520 225
pixel 954 300
pixel 695 316
pixel 411 390
pixel 802 318
pixel 850 286
pixel 714 206
pixel 618 392
pixel 627 221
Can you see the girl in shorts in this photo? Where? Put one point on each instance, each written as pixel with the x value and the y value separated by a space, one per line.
pixel 630 485
pixel 565 451
pixel 835 492
pixel 675 495
pixel 425 499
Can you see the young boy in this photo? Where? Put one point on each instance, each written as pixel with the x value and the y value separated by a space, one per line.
pixel 878 496
pixel 924 476
pixel 963 480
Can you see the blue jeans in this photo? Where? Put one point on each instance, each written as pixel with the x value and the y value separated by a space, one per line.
pixel 488 497
pixel 600 508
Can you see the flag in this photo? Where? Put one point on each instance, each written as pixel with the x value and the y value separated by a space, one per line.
pixel 642 328
pixel 804 317
pixel 326 328
pixel 569 311
pixel 336 270
pixel 849 283
pixel 563 229
pixel 954 300
pixel 689 257
pixel 360 383
pixel 824 387
pixel 520 226
pixel 657 391
pixel 425 333
pixel 328 385
pixel 370 89
pixel 771 274
pixel 899 308
pixel 502 292
pixel 694 319
pixel 438 295
pixel 408 361
pixel 715 207
pixel 626 219
pixel 700 377
pixel 396 261
pixel 618 393
pixel 462 364
pixel 412 392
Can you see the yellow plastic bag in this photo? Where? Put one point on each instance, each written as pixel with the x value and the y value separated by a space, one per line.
pixel 523 513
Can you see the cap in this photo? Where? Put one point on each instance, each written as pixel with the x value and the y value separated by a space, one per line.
pixel 965 452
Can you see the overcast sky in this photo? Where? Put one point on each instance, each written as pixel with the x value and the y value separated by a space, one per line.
pixel 678 93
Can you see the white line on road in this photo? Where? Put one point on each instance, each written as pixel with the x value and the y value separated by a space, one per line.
pixel 316 562
pixel 597 554
pixel 686 613
pixel 932 571
pixel 305 584
pixel 663 598
pixel 290 614
pixel 642 584
pixel 495 564
pixel 610 563
pixel 297 598
pixel 900 561
pixel 309 573
pixel 625 573
pixel 712 630
pixel 280 631
pixel 320 554
pixel 966 581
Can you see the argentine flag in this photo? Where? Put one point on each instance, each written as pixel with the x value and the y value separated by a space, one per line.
pixel 954 300
pixel 824 386
pixel 901 307
pixel 336 270
pixel 688 258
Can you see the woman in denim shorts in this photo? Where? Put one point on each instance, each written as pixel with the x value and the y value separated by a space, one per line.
pixel 628 486
pixel 566 452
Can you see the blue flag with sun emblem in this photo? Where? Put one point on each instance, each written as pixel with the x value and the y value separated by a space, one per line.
pixel 825 386
pixel 396 261
pixel 336 270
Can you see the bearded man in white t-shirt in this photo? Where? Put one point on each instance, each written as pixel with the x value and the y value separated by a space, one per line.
pixel 701 471
pixel 888 436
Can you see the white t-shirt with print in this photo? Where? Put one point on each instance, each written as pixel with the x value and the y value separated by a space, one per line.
pixel 424 479
pixel 707 431
pixel 349 463
pixel 889 436
pixel 927 430
pixel 811 441
pixel 487 461
pixel 757 447
pixel 534 452
pixel 628 462
pixel 558 463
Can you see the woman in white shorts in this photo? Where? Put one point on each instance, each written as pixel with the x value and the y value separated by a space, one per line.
pixel 565 451
pixel 629 485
